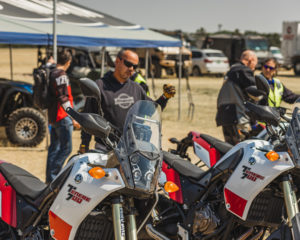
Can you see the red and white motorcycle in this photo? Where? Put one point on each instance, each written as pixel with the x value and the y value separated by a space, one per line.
pixel 97 195
pixel 251 190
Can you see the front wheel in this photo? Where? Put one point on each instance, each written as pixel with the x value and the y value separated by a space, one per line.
pixel 26 127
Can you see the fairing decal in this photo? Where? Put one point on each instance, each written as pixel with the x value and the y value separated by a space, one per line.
pixel 60 230
pixel 234 203
pixel 8 203
pixel 173 176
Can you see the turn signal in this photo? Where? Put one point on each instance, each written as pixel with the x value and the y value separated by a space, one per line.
pixel 272 156
pixel 170 187
pixel 97 172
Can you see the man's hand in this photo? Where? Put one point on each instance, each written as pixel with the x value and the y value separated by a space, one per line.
pixel 83 149
pixel 76 125
pixel 169 90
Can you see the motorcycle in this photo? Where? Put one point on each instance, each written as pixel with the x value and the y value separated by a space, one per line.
pixel 97 195
pixel 250 192
pixel 209 149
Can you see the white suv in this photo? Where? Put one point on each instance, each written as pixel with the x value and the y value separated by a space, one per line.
pixel 209 61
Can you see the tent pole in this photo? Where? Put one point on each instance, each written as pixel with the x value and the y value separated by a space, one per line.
pixel 102 61
pixel 10 61
pixel 179 81
pixel 54 32
pixel 146 64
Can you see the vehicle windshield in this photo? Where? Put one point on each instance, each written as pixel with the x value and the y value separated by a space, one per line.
pixel 275 51
pixel 141 143
pixel 257 44
pixel 215 54
pixel 293 134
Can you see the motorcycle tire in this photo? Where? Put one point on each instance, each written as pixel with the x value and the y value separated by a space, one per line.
pixel 6 232
pixel 26 127
pixel 95 227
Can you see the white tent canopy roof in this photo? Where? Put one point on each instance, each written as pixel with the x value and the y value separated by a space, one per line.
pixel 30 22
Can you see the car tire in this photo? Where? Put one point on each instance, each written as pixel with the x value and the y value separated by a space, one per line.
pixel 297 68
pixel 26 127
pixel 196 71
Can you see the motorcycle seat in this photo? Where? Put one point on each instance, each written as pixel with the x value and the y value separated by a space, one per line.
pixel 222 147
pixel 22 181
pixel 182 166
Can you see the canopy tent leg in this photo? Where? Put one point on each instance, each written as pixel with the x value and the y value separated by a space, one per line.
pixel 103 50
pixel 146 64
pixel 11 63
pixel 179 82
pixel 152 76
pixel 54 32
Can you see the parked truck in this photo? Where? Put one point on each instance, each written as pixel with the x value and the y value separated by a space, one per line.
pixel 290 45
pixel 165 58
pixel 234 45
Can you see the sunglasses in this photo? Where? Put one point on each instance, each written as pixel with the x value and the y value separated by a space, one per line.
pixel 269 67
pixel 129 64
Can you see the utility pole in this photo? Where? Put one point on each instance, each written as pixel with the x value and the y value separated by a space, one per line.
pixel 54 32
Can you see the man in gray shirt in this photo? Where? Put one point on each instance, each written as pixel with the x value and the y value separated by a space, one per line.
pixel 118 94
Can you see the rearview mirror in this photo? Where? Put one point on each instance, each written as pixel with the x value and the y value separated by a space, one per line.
pixel 89 88
pixel 262 84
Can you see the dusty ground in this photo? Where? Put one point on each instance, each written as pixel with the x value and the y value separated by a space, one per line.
pixel 204 92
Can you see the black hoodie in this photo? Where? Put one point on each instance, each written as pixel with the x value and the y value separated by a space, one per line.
pixel 116 100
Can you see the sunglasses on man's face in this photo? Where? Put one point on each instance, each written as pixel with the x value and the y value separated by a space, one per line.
pixel 269 67
pixel 129 64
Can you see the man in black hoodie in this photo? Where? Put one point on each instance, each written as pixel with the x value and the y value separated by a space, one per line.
pixel 118 94
pixel 231 113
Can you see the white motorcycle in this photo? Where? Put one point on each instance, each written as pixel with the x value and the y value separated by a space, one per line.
pixel 97 195
pixel 253 189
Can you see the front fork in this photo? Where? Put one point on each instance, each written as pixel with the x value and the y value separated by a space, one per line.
pixel 119 220
pixel 291 206
pixel 289 199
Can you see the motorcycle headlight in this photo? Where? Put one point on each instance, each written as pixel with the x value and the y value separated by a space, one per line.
pixel 143 171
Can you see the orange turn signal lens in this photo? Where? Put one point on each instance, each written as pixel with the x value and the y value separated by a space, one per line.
pixel 170 187
pixel 97 172
pixel 272 156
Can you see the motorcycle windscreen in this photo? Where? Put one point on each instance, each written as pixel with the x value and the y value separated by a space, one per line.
pixel 141 141
pixel 293 134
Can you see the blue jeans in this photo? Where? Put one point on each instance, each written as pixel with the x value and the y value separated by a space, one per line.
pixel 60 147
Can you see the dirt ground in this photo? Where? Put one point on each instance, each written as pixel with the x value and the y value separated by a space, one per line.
pixel 204 92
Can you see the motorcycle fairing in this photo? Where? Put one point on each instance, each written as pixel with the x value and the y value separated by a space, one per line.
pixel 80 195
pixel 8 208
pixel 252 175
pixel 173 176
pixel 205 151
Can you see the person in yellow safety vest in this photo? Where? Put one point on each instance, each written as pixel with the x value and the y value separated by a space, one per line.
pixel 278 92
pixel 137 77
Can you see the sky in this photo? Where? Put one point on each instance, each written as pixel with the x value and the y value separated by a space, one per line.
pixel 263 16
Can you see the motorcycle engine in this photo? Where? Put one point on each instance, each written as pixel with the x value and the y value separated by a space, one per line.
pixel 205 221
